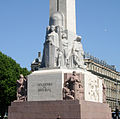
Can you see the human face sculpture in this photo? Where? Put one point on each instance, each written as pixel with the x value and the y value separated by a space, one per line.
pixel 52 28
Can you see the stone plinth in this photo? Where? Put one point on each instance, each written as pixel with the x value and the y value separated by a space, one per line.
pixel 66 109
pixel 47 85
pixel 45 97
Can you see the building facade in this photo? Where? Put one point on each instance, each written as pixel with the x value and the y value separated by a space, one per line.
pixel 111 78
pixel 35 65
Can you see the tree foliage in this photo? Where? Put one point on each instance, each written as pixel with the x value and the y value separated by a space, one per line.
pixel 9 73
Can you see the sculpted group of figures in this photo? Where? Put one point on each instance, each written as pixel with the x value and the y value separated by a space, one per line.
pixel 73 88
pixel 61 48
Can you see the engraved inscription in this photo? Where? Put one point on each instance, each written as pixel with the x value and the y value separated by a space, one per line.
pixel 44 87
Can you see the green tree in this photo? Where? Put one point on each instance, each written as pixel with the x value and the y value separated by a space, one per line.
pixel 9 73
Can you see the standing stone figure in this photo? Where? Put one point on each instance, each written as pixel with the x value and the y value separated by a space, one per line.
pixel 21 89
pixel 51 47
pixel 52 56
pixel 52 37
pixel 73 87
pixel 80 51
pixel 77 54
pixel 64 41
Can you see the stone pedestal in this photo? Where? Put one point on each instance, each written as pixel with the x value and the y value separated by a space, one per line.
pixel 47 85
pixel 46 99
pixel 73 109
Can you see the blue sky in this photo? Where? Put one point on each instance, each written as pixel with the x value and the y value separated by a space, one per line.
pixel 23 26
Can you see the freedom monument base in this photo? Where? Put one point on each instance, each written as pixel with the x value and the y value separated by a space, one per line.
pixel 70 109
pixel 47 96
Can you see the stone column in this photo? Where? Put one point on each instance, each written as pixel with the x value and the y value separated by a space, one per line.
pixel 67 8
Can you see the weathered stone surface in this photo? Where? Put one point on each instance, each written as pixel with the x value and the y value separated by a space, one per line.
pixel 72 109
pixel 62 47
pixel 67 7
pixel 45 85
pixel 48 85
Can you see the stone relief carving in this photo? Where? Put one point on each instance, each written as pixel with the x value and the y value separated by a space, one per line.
pixel 93 89
pixel 73 88
pixel 21 88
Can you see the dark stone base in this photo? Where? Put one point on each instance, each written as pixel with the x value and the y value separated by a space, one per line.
pixel 66 109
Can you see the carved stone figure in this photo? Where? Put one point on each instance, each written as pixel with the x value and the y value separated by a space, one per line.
pixel 76 58
pixel 52 37
pixel 73 88
pixel 67 93
pixel 53 54
pixel 60 58
pixel 65 47
pixel 79 48
pixel 78 53
pixel 51 46
pixel 21 89
pixel 75 55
